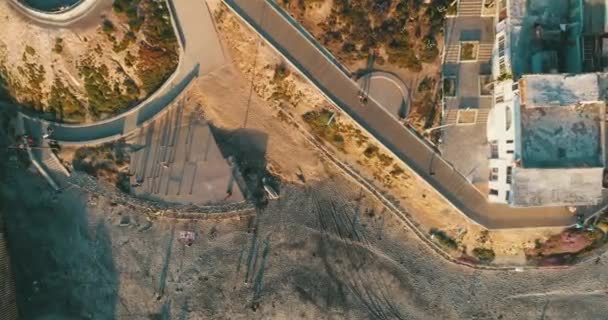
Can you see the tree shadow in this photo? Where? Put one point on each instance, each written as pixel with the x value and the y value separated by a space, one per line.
pixel 62 260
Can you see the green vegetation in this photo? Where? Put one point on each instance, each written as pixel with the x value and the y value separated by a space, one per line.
pixel 64 103
pixel 443 239
pixel 280 72
pixel 484 255
pixel 426 84
pixel 106 162
pixel 404 28
pixel 130 9
pixel 505 76
pixel 34 73
pixel 105 97
pixel 125 6
pixel 429 51
pixel 128 39
pixel 452 9
pixel 129 59
pixel 107 26
pixel 318 121
pixel 370 151
pixel 158 56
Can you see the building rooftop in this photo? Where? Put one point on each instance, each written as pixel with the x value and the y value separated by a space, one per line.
pixel 556 187
pixel 561 141
pixel 551 90
pixel 564 137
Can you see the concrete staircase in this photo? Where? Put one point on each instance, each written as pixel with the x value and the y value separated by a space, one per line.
pixel 469 8
pixel 588 52
pixel 451 117
pixel 482 115
pixel 452 53
pixel 54 167
pixel 485 52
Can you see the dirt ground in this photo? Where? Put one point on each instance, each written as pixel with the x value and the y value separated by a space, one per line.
pixel 317 253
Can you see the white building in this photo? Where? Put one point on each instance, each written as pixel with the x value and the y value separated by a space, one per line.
pixel 546 127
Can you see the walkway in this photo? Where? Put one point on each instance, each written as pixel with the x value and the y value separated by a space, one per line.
pixel 321 69
pixel 202 53
pixel 463 143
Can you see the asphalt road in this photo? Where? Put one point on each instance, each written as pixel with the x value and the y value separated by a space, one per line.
pixel 331 79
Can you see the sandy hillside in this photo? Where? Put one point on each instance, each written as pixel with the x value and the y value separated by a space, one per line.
pixel 89 71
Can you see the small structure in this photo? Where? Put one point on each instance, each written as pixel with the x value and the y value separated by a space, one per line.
pixel 187 237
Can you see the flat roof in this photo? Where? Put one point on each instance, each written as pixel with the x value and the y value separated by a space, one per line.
pixel 556 187
pixel 562 137
pixel 555 90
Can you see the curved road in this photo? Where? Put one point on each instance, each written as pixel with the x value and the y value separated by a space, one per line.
pixel 298 47
pixel 202 48
pixel 201 54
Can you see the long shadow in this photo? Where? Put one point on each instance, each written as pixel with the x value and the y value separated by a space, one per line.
pixel 248 148
pixel 62 259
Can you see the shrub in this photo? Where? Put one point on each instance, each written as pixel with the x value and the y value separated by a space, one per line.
pixel 429 50
pixel 426 84
pixel 396 171
pixel 443 239
pixel 107 26
pixel 484 255
pixel 385 159
pixel 370 151
pixel 29 50
pixel 58 48
pixel 122 6
pixel 280 72
pixel 338 139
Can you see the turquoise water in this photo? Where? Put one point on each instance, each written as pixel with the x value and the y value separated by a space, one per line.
pixel 49 5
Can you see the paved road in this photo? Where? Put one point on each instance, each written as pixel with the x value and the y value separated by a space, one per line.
pixel 202 53
pixel 296 47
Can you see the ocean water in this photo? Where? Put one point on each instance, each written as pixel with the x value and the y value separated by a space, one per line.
pixel 49 5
